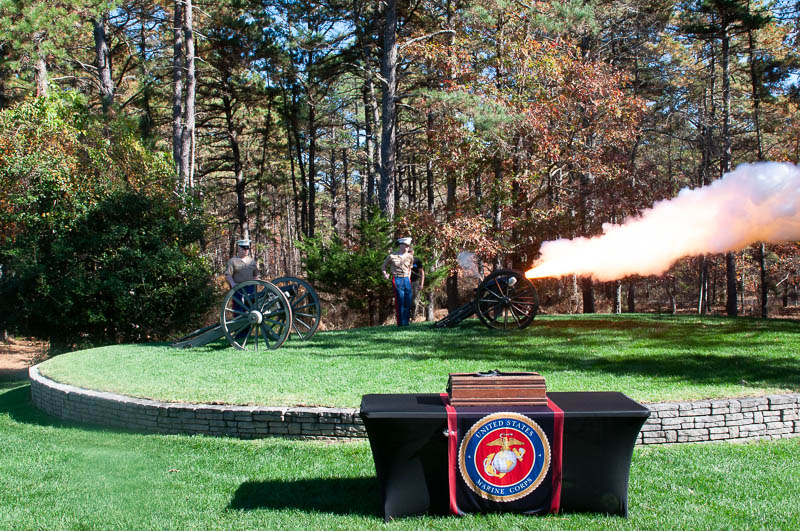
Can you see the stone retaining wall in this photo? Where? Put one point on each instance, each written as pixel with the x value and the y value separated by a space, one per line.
pixel 766 417
pixel 108 409
pixel 769 417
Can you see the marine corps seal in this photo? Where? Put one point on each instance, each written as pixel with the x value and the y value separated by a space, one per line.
pixel 504 456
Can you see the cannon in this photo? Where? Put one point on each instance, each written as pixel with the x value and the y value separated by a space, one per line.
pixel 505 300
pixel 257 312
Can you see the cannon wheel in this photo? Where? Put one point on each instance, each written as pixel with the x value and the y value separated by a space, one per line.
pixel 506 299
pixel 306 309
pixel 264 315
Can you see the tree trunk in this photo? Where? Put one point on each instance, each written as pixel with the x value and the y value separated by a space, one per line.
pixel 703 298
pixel 670 289
pixel 146 122
pixel 756 98
pixel 429 169
pixel 430 309
pixel 575 294
pixel 725 162
pixel 617 297
pixel 293 173
pixel 40 70
pixel 346 183
pixel 587 289
pixel 362 183
pixel 754 85
pixel 290 236
pixel 42 82
pixel 631 297
pixel 412 183
pixel 334 190
pixel 273 207
pixel 103 62
pixel 731 306
pixel 187 134
pixel 303 192
pixel 238 170
pixel 399 172
pixel 762 264
pixel 451 288
pixel 497 209
pixel 312 170
pixel 388 110
pixel 177 86
pixel 369 140
pixel 3 97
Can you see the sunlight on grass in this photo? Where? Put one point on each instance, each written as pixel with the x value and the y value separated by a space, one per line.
pixel 651 358
pixel 58 475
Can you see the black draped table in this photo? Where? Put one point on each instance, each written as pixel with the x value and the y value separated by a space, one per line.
pixel 407 434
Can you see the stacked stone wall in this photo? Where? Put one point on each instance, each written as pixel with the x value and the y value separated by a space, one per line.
pixel 117 411
pixel 736 419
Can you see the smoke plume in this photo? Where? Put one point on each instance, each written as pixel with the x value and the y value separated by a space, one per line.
pixel 754 203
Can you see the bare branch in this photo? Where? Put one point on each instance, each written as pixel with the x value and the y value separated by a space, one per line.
pixel 423 38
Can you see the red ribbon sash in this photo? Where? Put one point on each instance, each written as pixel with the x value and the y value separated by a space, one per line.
pixel 555 463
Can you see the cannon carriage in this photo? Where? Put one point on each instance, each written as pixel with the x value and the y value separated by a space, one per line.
pixel 259 314
pixel 504 300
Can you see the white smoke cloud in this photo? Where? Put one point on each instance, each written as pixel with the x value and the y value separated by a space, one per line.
pixel 754 203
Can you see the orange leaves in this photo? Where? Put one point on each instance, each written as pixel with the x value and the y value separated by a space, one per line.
pixel 461 230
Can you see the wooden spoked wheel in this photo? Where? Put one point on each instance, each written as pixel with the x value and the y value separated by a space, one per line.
pixel 306 308
pixel 256 314
pixel 506 299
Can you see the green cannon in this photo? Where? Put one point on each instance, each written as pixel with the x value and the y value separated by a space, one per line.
pixel 263 313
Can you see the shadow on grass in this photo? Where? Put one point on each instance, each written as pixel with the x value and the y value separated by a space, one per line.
pixel 707 350
pixel 342 496
pixel 13 375
pixel 16 403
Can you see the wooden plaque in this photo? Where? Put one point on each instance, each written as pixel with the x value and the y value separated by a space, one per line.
pixel 497 389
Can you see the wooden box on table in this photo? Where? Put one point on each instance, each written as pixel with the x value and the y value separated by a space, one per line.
pixel 497 389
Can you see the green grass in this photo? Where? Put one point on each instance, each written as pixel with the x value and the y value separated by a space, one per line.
pixel 651 358
pixel 59 475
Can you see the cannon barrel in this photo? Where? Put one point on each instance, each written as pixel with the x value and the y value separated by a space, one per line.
pixel 505 300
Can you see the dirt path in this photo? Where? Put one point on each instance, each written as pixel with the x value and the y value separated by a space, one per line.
pixel 17 354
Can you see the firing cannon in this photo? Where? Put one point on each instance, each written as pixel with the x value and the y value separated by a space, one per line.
pixel 505 300
pixel 259 312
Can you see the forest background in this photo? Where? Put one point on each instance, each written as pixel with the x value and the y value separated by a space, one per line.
pixel 140 139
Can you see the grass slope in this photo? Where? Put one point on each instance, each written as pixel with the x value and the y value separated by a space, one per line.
pixel 651 358
pixel 62 476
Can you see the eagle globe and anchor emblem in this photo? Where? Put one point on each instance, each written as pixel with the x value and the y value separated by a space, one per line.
pixel 513 470
pixel 501 463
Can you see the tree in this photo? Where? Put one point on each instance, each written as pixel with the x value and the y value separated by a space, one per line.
pixel 130 270
pixel 722 19
pixel 37 33
pixel 353 270
pixel 177 85
pixel 88 228
pixel 103 61
pixel 188 118
pixel 388 106
pixel 531 112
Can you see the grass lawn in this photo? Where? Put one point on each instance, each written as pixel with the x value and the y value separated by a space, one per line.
pixel 59 475
pixel 651 358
